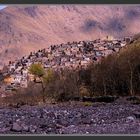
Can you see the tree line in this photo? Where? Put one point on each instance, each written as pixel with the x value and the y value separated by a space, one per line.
pixel 117 74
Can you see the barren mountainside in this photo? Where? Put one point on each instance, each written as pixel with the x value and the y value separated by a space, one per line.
pixel 27 28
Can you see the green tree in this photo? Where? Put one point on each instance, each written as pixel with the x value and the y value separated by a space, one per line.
pixel 37 70
pixel 45 77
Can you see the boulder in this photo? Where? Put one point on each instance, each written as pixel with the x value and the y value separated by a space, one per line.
pixel 131 118
pixel 25 128
pixel 137 115
pixel 16 127
pixel 32 129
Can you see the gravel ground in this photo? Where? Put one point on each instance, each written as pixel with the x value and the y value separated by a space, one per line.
pixel 72 118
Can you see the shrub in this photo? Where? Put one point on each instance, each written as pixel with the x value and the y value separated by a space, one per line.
pixel 87 103
pixel 29 96
pixel 37 70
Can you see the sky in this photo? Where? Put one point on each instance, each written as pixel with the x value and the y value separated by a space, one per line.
pixel 2 6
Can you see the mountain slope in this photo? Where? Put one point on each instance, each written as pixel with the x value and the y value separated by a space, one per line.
pixel 27 28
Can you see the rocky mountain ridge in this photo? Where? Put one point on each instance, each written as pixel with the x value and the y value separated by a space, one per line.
pixel 27 28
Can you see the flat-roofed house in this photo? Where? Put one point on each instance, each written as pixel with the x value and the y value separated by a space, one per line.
pixel 18 79
pixel 31 77
pixel 12 67
pixel 9 79
pixel 25 72
pixel 123 44
pixel 107 52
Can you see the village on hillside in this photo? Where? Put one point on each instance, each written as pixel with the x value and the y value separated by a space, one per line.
pixel 71 55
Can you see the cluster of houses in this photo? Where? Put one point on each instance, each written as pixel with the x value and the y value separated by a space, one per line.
pixel 71 55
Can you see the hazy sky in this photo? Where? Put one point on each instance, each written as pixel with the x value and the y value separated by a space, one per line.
pixel 2 6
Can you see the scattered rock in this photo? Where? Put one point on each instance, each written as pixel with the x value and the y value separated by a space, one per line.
pixel 86 121
pixel 43 126
pixel 130 118
pixel 32 129
pixel 104 118
pixel 25 128
pixel 63 123
pixel 137 115
pixel 2 130
pixel 16 127
pixel 78 115
pixel 58 126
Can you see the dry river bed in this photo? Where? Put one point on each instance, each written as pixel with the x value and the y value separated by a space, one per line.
pixel 119 117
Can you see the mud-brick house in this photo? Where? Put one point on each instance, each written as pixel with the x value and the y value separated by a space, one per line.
pixel 101 48
pixel 80 45
pixel 67 64
pixel 3 95
pixel 68 52
pixel 8 79
pixel 48 49
pixel 12 67
pixel 123 44
pixel 115 41
pixel 19 68
pixel 46 65
pixel 107 52
pixel 98 53
pixel 96 47
pixel 29 64
pixel 25 72
pixel 87 59
pixel 83 62
pixel 79 54
pixel 128 39
pixel 30 77
pixel 116 49
pixel 17 79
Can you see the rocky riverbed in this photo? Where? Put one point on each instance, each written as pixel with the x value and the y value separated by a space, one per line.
pixel 119 117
